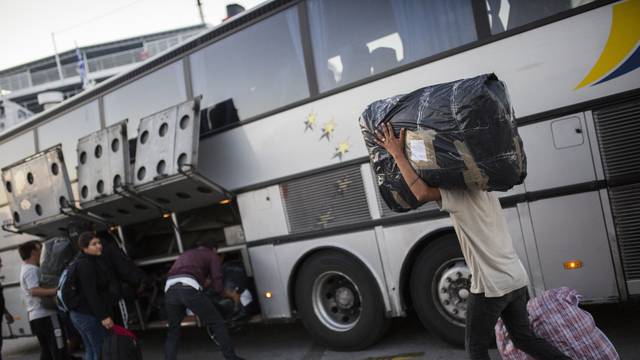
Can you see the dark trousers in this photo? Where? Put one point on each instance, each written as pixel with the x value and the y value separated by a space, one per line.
pixel 482 315
pixel 44 330
pixel 177 300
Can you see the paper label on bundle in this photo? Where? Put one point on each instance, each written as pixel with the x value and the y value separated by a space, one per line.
pixel 418 151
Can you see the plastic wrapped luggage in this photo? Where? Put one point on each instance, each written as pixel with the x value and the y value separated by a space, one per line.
pixel 556 317
pixel 460 134
pixel 57 253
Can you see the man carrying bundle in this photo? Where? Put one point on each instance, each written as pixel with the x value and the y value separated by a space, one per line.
pixel 499 281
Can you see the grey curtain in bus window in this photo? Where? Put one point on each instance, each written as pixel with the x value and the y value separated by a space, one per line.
pixel 510 14
pixel 253 71
pixel 359 38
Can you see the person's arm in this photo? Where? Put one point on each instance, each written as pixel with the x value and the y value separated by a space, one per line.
pixel 32 284
pixel 386 138
pixel 43 292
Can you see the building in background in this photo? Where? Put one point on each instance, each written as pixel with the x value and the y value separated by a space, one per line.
pixel 11 114
pixel 81 67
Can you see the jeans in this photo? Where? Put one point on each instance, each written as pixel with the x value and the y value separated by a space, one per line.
pixel 177 300
pixel 92 333
pixel 50 347
pixel 482 315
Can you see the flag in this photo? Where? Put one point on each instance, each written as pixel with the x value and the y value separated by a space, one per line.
pixel 82 69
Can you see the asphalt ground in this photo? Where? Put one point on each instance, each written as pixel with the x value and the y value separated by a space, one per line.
pixel 405 340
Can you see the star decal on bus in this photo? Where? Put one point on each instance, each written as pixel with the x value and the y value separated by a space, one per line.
pixel 327 129
pixel 342 149
pixel 343 185
pixel 310 122
pixel 621 53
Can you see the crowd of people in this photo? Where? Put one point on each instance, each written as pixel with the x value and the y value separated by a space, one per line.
pixel 94 307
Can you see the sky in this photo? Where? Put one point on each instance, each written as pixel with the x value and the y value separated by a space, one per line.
pixel 26 25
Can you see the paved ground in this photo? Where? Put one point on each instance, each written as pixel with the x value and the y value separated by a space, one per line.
pixel 406 339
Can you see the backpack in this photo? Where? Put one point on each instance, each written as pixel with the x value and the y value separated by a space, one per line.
pixel 67 296
pixel 121 344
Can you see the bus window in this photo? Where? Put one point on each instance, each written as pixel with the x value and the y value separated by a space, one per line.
pixel 356 39
pixel 252 71
pixel 508 14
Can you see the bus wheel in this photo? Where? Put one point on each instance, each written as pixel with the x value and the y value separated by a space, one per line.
pixel 440 283
pixel 339 302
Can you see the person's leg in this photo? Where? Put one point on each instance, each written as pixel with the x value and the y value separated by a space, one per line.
pixel 209 315
pixel 516 319
pixel 71 333
pixel 38 328
pixel 92 334
pixel 56 345
pixel 175 313
pixel 80 324
pixel 482 315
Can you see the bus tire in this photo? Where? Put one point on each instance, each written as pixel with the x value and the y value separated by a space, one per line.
pixel 434 296
pixel 339 302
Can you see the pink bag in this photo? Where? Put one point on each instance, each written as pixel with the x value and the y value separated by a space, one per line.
pixel 122 331
pixel 556 317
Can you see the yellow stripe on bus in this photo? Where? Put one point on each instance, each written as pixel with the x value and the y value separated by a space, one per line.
pixel 623 39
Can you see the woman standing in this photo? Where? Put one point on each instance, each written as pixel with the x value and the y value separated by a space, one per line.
pixel 92 316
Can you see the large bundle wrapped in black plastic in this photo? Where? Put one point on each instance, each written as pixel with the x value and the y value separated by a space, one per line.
pixel 460 134
pixel 57 253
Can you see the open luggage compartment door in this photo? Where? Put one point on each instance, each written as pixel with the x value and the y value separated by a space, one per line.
pixel 40 195
pixel 164 178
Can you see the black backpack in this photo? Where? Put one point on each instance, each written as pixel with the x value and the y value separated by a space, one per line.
pixel 121 345
pixel 68 294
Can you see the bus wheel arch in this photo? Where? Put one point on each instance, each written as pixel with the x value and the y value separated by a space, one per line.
pixel 439 284
pixel 338 299
pixel 410 260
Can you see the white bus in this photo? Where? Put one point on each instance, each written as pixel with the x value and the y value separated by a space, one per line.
pixel 281 90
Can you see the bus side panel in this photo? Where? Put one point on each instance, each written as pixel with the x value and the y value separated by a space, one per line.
pixel 361 245
pixel 11 264
pixel 9 239
pixel 264 264
pixel 558 153
pixel 262 213
pixel 572 228
pixel 13 150
pixel 67 129
pixel 15 305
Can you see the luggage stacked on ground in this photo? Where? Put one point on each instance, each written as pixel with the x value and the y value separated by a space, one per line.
pixel 460 134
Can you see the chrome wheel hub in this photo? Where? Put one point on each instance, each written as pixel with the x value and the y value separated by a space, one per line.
pixel 336 301
pixel 451 290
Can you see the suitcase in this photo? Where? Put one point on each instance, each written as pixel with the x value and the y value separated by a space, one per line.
pixel 121 344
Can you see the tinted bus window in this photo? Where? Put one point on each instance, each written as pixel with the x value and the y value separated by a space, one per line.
pixel 253 71
pixel 358 38
pixel 508 14
pixel 67 129
pixel 154 92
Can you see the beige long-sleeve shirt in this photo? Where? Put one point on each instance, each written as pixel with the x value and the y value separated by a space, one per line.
pixel 485 241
